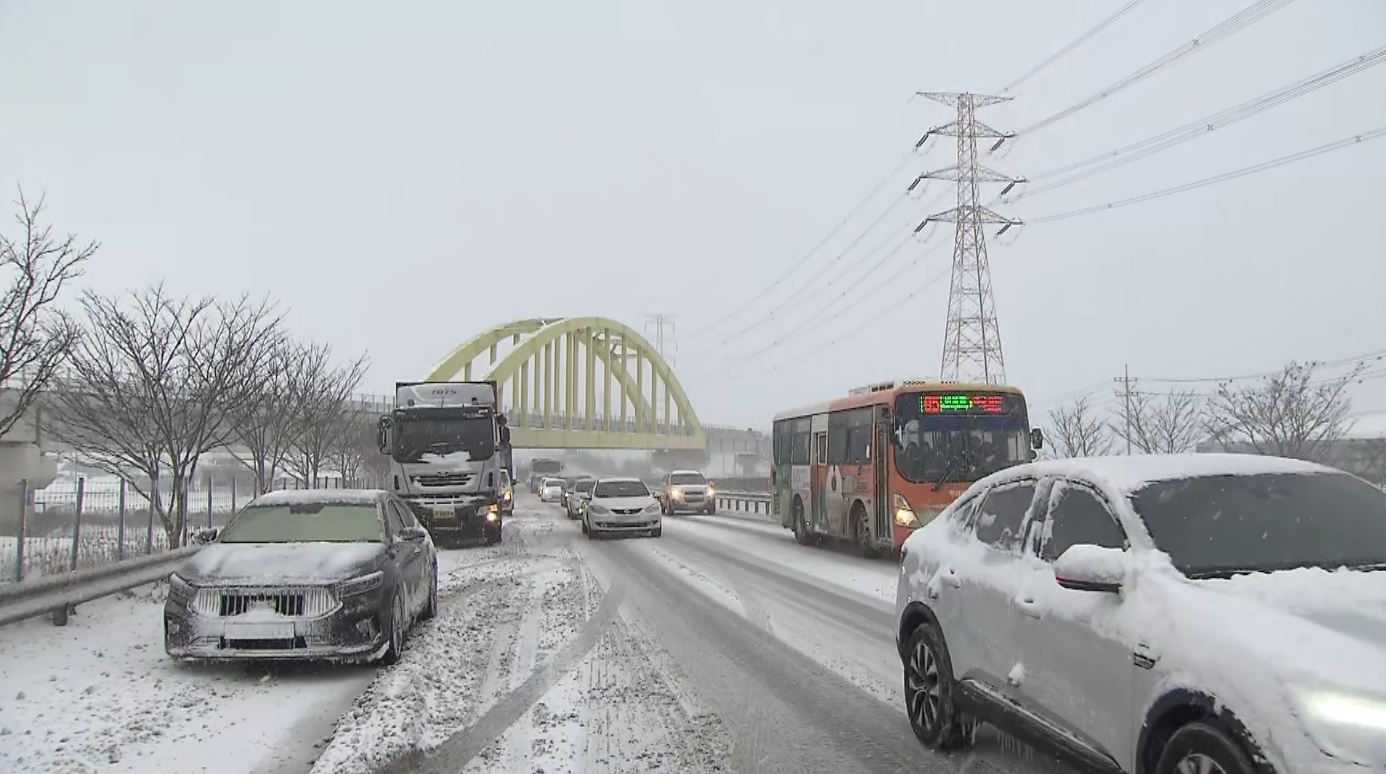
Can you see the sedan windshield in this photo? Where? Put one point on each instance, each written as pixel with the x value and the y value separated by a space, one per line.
pixel 306 523
pixel 1219 525
pixel 687 478
pixel 620 489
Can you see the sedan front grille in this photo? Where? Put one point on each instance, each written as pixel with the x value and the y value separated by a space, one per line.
pixel 291 602
pixel 626 511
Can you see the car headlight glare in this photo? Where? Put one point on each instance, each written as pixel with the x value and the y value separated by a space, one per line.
pixel 710 490
pixel 676 493
pixel 1346 725
pixel 360 585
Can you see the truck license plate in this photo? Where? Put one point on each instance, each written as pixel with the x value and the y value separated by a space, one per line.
pixel 444 512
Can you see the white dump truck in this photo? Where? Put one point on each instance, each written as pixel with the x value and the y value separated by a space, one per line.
pixel 447 444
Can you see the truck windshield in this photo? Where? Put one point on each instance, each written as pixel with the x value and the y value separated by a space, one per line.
pixel 425 439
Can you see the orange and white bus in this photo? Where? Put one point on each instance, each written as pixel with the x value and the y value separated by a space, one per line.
pixel 885 460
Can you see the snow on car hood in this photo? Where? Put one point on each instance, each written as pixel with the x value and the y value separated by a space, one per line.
pixel 266 563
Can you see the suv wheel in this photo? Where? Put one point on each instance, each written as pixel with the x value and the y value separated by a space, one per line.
pixel 929 687
pixel 1201 748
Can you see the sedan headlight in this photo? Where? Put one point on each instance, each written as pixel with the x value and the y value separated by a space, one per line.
pixel 904 514
pixel 652 508
pixel 179 587
pixel 595 508
pixel 1346 725
pixel 360 585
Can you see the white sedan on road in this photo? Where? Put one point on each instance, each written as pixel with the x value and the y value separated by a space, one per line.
pixel 1210 613
pixel 621 506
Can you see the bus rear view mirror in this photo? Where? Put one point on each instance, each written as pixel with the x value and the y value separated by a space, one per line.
pixel 1037 438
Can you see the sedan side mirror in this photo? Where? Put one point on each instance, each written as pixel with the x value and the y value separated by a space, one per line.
pixel 413 534
pixel 1037 438
pixel 1086 567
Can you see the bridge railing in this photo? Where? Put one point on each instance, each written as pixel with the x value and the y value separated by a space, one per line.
pixel 755 503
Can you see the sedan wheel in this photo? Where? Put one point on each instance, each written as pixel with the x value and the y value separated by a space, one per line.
pixel 398 623
pixel 430 610
pixel 929 691
pixel 1203 748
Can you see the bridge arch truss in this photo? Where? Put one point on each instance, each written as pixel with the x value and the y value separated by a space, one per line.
pixel 579 382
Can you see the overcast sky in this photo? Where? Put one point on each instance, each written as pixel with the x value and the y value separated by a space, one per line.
pixel 382 169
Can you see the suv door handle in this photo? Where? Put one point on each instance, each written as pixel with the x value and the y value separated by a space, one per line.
pixel 951 578
pixel 1030 608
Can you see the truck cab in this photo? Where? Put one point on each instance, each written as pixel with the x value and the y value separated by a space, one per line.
pixel 447 457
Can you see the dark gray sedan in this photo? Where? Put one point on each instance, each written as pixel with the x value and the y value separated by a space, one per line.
pixel 338 575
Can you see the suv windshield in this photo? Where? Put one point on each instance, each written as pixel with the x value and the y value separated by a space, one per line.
pixel 620 489
pixel 585 485
pixel 423 439
pixel 959 445
pixel 306 523
pixel 1216 525
pixel 687 478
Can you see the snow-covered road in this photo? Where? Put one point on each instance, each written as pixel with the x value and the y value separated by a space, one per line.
pixel 722 646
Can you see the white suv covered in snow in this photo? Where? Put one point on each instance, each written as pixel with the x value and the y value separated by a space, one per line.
pixel 1159 614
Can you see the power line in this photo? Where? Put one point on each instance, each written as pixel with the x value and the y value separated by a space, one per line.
pixel 1200 127
pixel 1367 357
pixel 1207 181
pixel 1215 34
pixel 1075 43
pixel 876 189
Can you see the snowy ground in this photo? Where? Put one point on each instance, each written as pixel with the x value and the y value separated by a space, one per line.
pixel 722 646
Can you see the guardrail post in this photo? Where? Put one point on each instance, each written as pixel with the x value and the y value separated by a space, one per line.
pixel 120 531
pixel 23 512
pixel 77 520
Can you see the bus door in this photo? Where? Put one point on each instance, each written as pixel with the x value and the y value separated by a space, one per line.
pixel 818 482
pixel 880 463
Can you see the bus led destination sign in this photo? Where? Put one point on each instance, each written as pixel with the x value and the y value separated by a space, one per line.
pixel 962 403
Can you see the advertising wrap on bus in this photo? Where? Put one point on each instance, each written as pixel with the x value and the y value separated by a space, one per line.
pixel 874 466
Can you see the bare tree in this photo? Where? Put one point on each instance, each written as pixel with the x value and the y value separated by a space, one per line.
pixel 354 455
pixel 324 395
pixel 154 380
pixel 35 338
pixel 270 423
pixel 1289 414
pixel 1077 432
pixel 1170 426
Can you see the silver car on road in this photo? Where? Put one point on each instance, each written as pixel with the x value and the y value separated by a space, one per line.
pixel 1156 614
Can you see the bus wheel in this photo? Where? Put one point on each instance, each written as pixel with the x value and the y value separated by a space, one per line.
pixel 861 534
pixel 801 533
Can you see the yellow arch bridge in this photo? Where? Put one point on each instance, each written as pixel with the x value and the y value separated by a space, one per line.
pixel 579 383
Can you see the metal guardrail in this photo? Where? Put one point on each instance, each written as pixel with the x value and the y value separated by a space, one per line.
pixel 744 502
pixel 59 592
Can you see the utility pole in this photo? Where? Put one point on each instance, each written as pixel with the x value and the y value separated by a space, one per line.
pixel 1125 381
pixel 972 338
pixel 659 322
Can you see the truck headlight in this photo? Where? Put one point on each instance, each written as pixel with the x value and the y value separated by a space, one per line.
pixel 1345 725
pixel 904 514
pixel 361 584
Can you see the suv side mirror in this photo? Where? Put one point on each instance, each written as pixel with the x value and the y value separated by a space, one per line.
pixel 1086 567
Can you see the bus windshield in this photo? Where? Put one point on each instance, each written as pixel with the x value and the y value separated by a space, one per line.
pixel 947 437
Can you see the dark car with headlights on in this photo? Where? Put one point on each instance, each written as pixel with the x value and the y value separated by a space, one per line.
pixel 337 575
